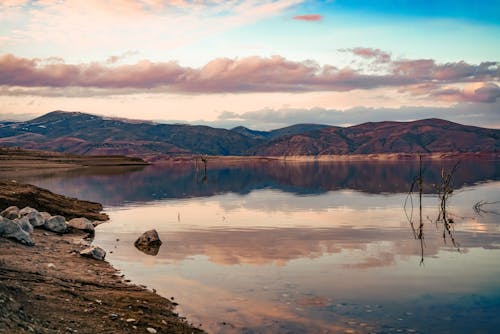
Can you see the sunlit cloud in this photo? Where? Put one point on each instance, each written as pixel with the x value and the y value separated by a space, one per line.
pixel 308 17
pixel 149 25
pixel 255 74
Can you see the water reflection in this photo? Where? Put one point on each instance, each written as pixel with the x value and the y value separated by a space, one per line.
pixel 305 247
pixel 115 186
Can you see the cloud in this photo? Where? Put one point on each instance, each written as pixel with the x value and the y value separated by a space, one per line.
pixel 118 58
pixel 480 92
pixel 478 114
pixel 251 74
pixel 370 53
pixel 309 17
pixel 93 27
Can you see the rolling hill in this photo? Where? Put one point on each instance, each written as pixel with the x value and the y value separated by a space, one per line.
pixel 80 133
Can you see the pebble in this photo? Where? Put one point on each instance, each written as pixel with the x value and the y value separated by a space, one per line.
pixel 130 320
pixel 51 266
pixel 151 330
pixel 113 316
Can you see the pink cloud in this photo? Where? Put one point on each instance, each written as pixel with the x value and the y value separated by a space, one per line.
pixel 482 92
pixel 379 55
pixel 255 74
pixel 308 17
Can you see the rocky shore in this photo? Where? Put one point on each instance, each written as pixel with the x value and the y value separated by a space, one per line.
pixel 53 280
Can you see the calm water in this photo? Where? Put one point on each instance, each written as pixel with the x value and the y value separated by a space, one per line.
pixel 306 247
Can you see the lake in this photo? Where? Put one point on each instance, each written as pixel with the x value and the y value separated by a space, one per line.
pixel 305 247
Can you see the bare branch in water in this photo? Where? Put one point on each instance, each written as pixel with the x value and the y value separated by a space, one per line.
pixel 444 191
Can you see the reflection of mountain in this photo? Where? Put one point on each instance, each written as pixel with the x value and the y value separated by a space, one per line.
pixel 115 186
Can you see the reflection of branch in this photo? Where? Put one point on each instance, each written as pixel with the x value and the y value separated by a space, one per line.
pixel 478 208
pixel 409 217
pixel 444 191
pixel 417 233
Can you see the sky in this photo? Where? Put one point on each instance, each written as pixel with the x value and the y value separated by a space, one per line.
pixel 262 64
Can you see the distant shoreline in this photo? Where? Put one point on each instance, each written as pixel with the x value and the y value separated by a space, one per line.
pixel 327 158
pixel 25 159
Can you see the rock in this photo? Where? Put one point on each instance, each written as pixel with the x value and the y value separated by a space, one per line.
pixel 56 224
pixel 148 238
pixel 25 224
pixel 149 242
pixel 51 266
pixel 97 222
pixel 12 230
pixel 25 211
pixel 94 252
pixel 151 330
pixel 82 224
pixel 35 218
pixel 12 212
pixel 130 320
pixel 45 215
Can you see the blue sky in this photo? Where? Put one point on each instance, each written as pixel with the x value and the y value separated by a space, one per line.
pixel 201 61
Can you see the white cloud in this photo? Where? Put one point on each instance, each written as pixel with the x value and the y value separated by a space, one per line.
pixel 478 114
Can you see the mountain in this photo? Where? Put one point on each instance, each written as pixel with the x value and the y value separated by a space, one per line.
pixel 289 130
pixel 423 136
pixel 75 132
pixel 80 133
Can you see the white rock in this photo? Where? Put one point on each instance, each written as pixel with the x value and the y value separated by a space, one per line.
pixel 45 215
pixel 56 224
pixel 35 219
pixel 25 211
pixel 12 230
pixel 12 212
pixel 25 224
pixel 94 252
pixel 82 224
pixel 151 330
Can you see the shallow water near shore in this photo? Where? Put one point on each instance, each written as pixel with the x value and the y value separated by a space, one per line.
pixel 304 247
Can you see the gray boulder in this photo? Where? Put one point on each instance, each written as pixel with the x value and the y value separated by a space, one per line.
pixel 94 252
pixel 25 224
pixel 35 219
pixel 56 224
pixel 45 215
pixel 12 230
pixel 25 211
pixel 12 212
pixel 149 242
pixel 82 224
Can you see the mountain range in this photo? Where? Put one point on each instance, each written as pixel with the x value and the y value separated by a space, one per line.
pixel 80 133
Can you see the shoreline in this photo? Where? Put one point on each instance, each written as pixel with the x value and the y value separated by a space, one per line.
pixel 191 158
pixel 51 288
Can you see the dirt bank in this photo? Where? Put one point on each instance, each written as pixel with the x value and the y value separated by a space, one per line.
pixel 22 195
pixel 51 288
